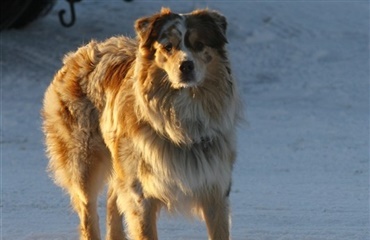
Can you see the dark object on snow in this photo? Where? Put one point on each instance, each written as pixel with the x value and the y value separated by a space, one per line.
pixel 19 13
pixel 73 14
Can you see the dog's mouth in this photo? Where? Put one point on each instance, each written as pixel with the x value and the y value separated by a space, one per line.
pixel 187 80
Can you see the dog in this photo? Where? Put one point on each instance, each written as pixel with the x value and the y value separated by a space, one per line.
pixel 153 118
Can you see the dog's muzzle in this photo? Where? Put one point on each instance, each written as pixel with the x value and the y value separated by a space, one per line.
pixel 187 71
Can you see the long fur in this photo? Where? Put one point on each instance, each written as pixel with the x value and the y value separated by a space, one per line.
pixel 120 112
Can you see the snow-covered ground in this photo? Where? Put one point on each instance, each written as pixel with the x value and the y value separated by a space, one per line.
pixel 303 165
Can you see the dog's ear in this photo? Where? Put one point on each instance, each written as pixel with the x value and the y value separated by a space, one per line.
pixel 143 27
pixel 213 26
pixel 219 19
pixel 147 28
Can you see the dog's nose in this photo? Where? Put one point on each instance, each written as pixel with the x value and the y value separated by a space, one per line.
pixel 187 66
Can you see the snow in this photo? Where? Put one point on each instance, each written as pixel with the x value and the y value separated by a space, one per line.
pixel 303 71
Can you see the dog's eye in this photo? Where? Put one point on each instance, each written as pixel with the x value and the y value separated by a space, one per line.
pixel 168 47
pixel 198 46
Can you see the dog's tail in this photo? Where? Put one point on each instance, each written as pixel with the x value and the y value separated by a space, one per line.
pixel 80 63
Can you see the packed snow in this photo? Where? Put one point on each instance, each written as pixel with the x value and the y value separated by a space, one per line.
pixel 303 153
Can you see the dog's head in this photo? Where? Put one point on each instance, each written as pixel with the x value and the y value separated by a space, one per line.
pixel 182 45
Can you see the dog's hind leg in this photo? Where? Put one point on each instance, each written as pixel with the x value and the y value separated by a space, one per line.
pixel 114 217
pixel 82 177
pixel 85 206
pixel 79 159
pixel 84 194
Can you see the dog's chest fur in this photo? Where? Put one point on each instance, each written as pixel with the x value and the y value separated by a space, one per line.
pixel 174 173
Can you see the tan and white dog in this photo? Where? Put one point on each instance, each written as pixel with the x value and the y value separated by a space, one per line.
pixel 152 117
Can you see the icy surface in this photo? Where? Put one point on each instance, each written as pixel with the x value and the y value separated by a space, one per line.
pixel 303 72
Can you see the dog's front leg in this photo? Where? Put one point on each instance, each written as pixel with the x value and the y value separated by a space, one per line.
pixel 140 212
pixel 216 215
pixel 141 220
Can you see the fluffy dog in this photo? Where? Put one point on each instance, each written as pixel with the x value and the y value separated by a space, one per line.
pixel 154 118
